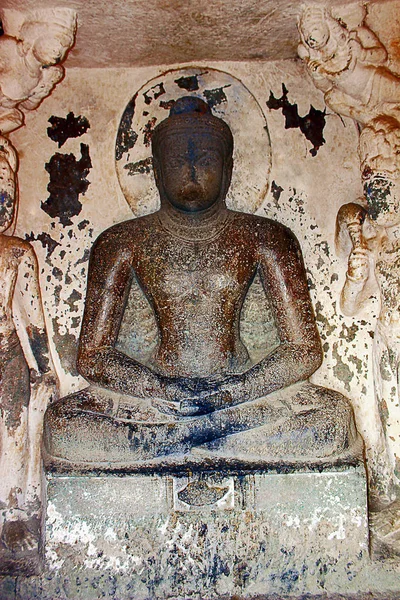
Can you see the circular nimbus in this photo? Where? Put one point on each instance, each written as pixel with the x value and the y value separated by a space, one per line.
pixel 228 99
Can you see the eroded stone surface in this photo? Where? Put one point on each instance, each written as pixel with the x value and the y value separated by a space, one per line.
pixel 264 534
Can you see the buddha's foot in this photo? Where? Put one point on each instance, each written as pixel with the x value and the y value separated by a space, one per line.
pixel 385 531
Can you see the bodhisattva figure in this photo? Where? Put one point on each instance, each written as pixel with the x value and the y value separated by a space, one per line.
pixel 371 237
pixel 20 439
pixel 195 260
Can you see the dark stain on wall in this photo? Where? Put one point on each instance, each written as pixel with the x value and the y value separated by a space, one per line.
pixel 153 93
pixel 67 348
pixel 67 182
pixel 311 125
pixel 126 138
pixel 71 127
pixel 46 240
pixel 83 224
pixel 40 350
pixel 73 298
pixel 216 96
pixel 276 191
pixel 189 83
pixel 166 104
pixel 377 191
pixel 139 167
pixel 148 131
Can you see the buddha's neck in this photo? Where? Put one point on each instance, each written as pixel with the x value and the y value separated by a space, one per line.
pixel 194 226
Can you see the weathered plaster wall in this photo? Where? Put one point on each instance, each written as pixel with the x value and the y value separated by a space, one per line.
pixel 305 192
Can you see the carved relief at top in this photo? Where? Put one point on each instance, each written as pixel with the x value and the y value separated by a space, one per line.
pixel 30 52
pixel 349 66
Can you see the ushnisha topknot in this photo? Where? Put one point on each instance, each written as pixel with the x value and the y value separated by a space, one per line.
pixel 191 112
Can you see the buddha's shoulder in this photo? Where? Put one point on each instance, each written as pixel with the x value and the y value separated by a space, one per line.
pixel 127 232
pixel 262 228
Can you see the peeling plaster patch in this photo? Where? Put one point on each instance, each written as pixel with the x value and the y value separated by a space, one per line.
pixel 57 273
pixel 67 182
pixel 148 131
pixel 349 333
pixel 376 192
pixel 216 96
pixel 311 125
pixel 84 258
pixel 357 362
pixel 71 127
pixel 46 240
pixel 276 191
pixel 189 83
pixel 140 167
pixel 74 297
pixel 153 93
pixel 126 138
pixel 40 350
pixel 83 224
pixel 319 314
pixel 166 105
pixel 341 369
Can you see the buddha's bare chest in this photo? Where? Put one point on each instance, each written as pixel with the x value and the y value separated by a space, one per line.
pixel 181 274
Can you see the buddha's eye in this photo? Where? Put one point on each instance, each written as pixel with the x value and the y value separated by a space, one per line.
pixel 205 161
pixel 177 161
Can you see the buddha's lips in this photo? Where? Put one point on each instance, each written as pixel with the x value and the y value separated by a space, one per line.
pixel 192 192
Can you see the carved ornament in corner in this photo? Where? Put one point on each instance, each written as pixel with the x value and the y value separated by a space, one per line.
pixel 31 49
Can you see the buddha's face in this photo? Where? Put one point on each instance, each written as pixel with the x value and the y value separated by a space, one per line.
pixel 191 169
pixel 7 193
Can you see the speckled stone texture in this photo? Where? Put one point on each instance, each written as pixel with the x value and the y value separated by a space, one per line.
pixel 208 536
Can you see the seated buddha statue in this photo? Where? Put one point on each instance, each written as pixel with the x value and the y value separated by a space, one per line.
pixel 194 260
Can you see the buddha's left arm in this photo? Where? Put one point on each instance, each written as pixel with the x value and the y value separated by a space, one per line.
pixel 284 280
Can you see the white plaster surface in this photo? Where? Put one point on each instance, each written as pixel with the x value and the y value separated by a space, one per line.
pixel 275 537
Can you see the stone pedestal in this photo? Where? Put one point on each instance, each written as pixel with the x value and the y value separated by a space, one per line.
pixel 206 535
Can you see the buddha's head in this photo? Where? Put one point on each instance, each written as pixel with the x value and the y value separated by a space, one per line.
pixel 192 156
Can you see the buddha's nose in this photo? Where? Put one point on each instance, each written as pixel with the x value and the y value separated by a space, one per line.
pixel 193 172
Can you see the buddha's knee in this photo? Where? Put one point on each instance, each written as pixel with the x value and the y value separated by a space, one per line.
pixel 333 420
pixel 72 422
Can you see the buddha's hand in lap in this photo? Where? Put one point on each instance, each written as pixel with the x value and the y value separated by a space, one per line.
pixel 197 396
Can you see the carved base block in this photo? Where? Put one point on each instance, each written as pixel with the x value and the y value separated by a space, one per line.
pixel 206 536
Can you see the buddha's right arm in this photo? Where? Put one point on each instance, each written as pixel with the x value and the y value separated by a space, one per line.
pixel 114 370
pixel 109 280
